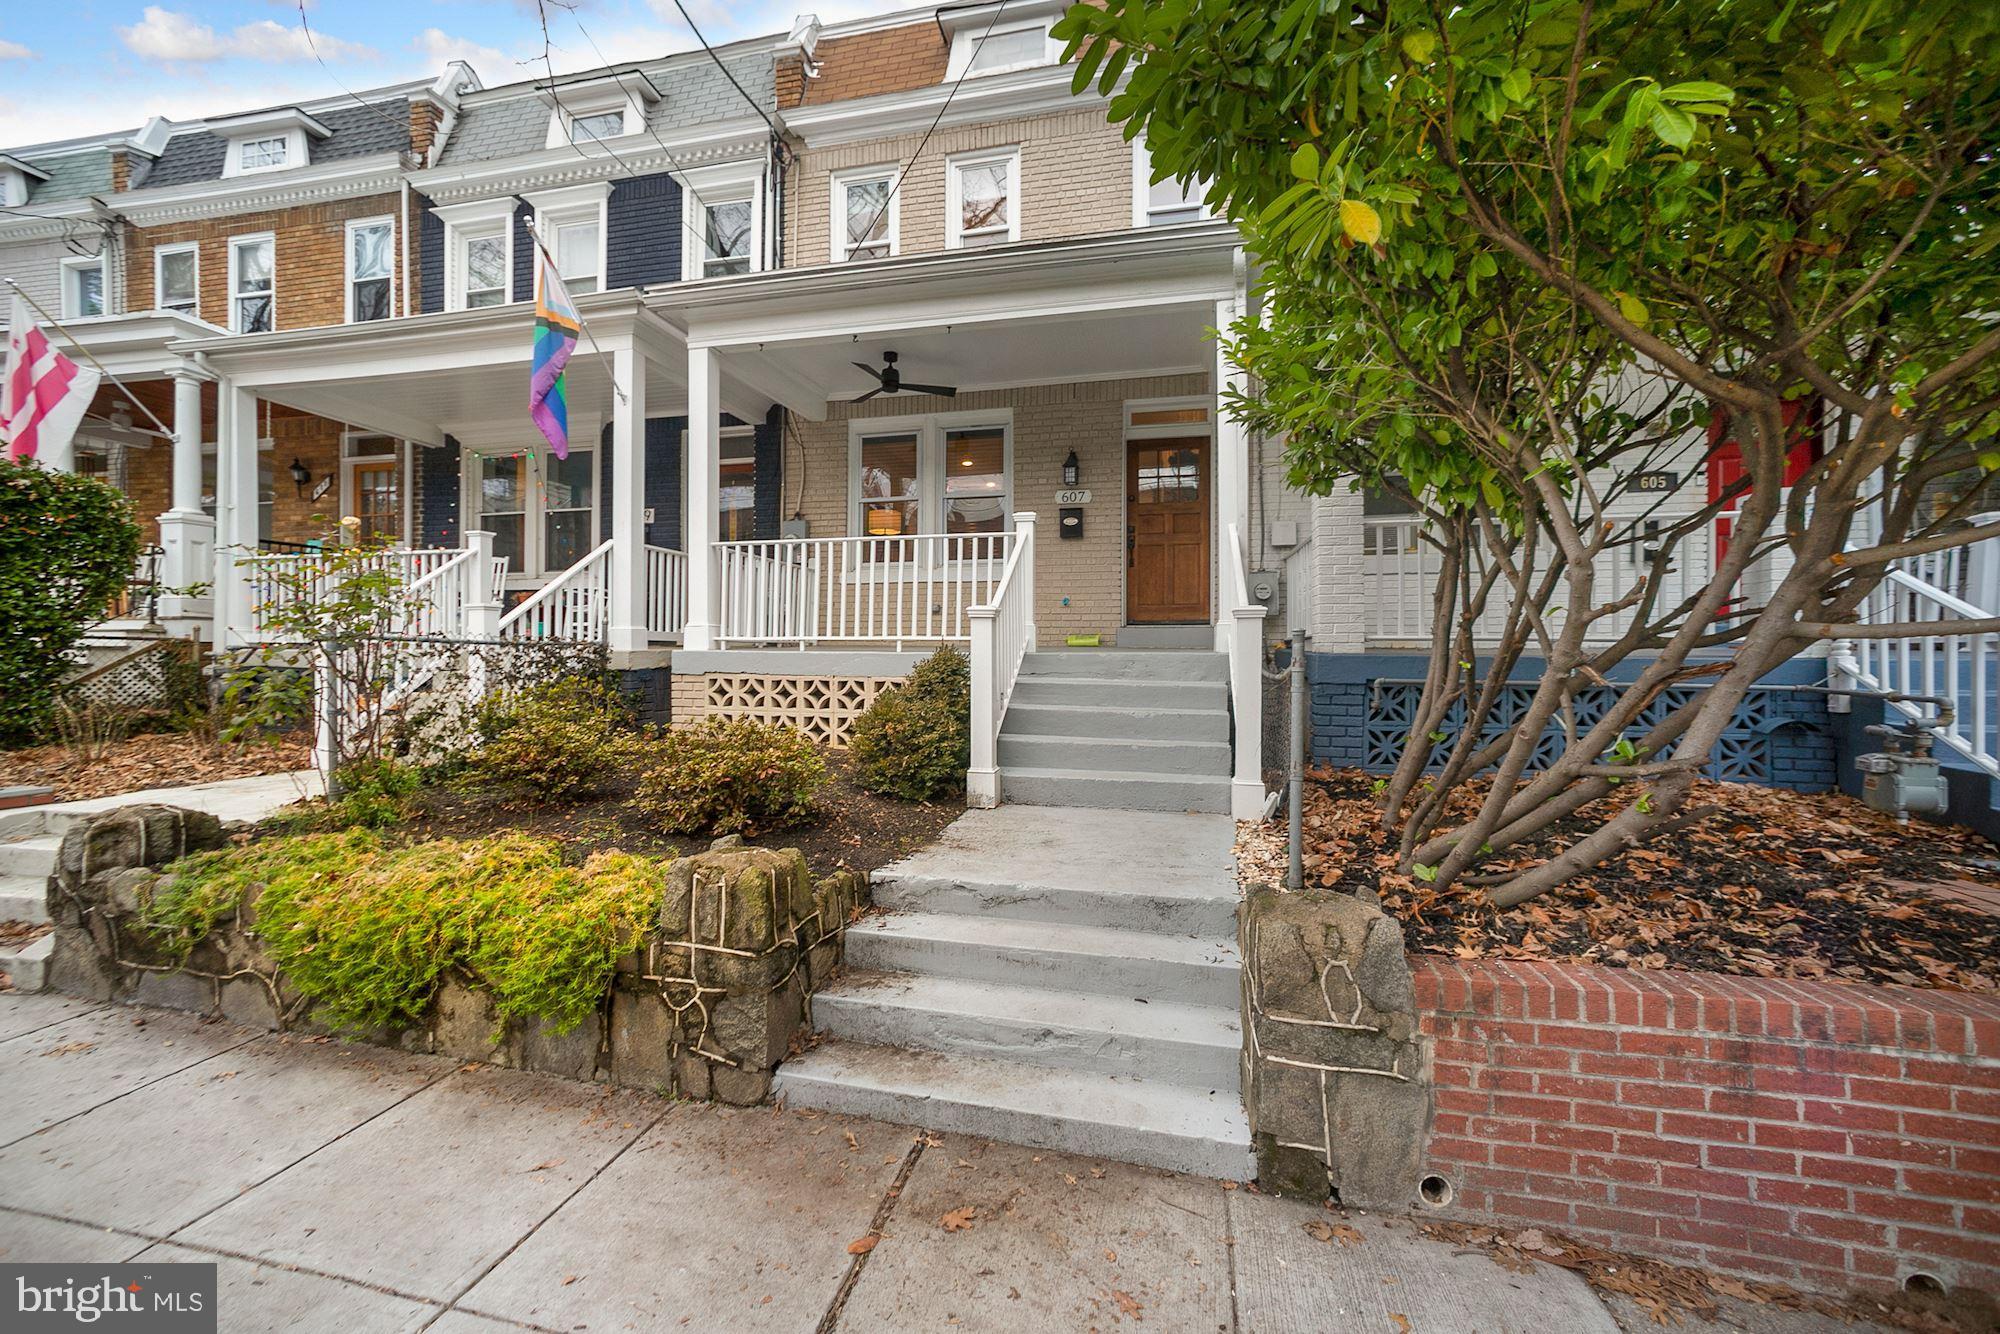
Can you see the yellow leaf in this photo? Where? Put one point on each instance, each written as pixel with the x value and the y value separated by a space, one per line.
pixel 1361 222
pixel 1633 309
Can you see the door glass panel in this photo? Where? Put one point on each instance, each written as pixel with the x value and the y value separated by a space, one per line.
pixel 736 505
pixel 1167 475
pixel 567 501
pixel 378 501
pixel 503 505
pixel 975 481
pixel 889 485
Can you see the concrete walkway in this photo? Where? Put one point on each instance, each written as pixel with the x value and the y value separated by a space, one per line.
pixel 229 799
pixel 345 1188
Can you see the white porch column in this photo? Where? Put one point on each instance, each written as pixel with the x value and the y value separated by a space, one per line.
pixel 704 482
pixel 1232 468
pixel 236 511
pixel 627 612
pixel 187 536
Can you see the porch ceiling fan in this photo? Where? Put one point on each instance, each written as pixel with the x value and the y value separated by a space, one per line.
pixel 889 380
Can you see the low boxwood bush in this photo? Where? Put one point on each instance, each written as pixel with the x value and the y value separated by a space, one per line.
pixel 731 776
pixel 562 741
pixel 367 931
pixel 915 741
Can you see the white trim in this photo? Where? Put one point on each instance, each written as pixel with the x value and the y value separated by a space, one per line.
pixel 837 208
pixel 237 243
pixel 573 164
pixel 954 238
pixel 294 154
pixel 989 97
pixel 972 36
pixel 344 178
pixel 930 429
pixel 159 256
pixel 347 262
pixel 724 183
pixel 70 267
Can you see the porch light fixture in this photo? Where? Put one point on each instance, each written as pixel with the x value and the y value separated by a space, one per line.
pixel 1072 474
pixel 301 476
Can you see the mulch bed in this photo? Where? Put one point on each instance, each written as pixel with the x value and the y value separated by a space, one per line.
pixel 1775 884
pixel 852 828
pixel 150 760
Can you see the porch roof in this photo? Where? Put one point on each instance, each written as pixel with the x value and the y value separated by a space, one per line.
pixel 1124 303
pixel 142 345
pixel 462 373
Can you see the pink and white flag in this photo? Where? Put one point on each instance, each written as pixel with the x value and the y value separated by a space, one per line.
pixel 44 396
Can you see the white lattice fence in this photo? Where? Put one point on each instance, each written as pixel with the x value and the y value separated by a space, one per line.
pixel 822 707
pixel 140 680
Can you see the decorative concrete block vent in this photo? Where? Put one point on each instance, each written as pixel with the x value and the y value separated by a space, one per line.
pixel 705 1008
pixel 1333 1077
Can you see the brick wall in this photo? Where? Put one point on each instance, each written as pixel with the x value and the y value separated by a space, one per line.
pixel 1826 1136
pixel 863 64
pixel 1076 179
pixel 1049 421
pixel 310 255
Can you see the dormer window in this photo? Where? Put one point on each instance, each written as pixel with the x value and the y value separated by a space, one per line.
pixel 267 140
pixel 597 125
pixel 262 154
pixel 999 38
pixel 18 180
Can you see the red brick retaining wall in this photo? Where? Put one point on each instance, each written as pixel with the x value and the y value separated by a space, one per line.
pixel 1826 1136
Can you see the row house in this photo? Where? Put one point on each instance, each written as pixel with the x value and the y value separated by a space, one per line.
pixel 891 340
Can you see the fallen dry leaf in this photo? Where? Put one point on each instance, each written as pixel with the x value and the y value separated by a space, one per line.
pixel 1127 1303
pixel 958 1220
pixel 863 1245
pixel 1402 1322
pixel 1321 1230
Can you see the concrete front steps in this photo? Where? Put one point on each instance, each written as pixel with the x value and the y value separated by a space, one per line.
pixel 26 863
pixel 1140 729
pixel 1058 978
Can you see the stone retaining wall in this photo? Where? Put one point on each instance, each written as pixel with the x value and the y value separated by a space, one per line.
pixel 1828 1136
pixel 706 1008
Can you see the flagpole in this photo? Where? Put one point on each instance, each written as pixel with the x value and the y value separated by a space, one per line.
pixel 90 357
pixel 535 234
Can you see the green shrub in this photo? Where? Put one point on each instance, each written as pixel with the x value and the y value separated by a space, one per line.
pixel 915 742
pixel 564 740
pixel 67 546
pixel 367 932
pixel 731 776
pixel 374 794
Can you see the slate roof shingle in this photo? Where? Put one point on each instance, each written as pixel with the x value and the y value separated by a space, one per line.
pixel 356 131
pixel 71 176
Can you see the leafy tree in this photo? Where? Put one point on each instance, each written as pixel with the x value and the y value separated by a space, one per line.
pixel 1514 248
pixel 67 546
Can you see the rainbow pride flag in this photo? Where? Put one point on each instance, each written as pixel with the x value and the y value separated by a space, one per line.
pixel 556 329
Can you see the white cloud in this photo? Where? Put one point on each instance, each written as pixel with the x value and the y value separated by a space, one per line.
pixel 14 51
pixel 440 47
pixel 174 38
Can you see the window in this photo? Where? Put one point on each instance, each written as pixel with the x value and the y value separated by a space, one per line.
pixel 252 284
pixel 541 510
pixel 1162 203
pixel 369 284
pixel 597 125
pixel 579 257
pixel 1006 49
pixel 177 279
pixel 941 474
pixel 263 154
pixel 485 269
pixel 865 221
pixel 736 502
pixel 983 207
pixel 82 287
pixel 726 234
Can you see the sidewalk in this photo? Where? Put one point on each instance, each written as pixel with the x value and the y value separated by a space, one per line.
pixel 349 1188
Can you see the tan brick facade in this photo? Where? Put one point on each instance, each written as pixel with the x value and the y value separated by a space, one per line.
pixel 311 242
pixel 1049 421
pixel 1076 180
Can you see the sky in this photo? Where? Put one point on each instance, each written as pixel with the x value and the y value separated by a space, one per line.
pixel 76 67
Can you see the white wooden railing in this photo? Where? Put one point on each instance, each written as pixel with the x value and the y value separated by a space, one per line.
pixel 893 590
pixel 573 605
pixel 1960 668
pixel 666 591
pixel 1400 570
pixel 1243 629
pixel 276 583
pixel 1003 633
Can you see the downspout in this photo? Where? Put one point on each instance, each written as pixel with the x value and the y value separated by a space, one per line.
pixel 404 187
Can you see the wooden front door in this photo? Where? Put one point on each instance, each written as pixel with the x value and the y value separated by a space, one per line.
pixel 1166 531
pixel 378 500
